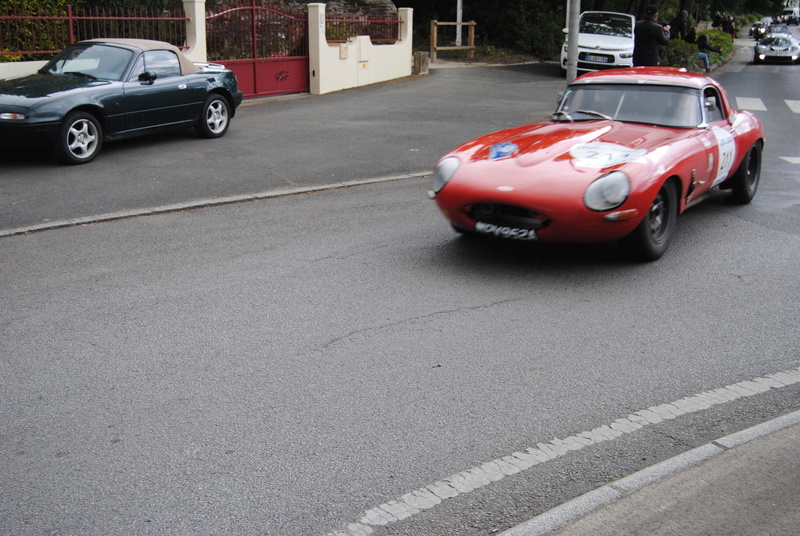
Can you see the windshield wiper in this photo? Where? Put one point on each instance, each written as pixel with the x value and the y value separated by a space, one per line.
pixel 84 75
pixel 565 114
pixel 592 112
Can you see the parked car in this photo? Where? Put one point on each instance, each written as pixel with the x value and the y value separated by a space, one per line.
pixel 605 41
pixel 626 151
pixel 107 89
pixel 777 48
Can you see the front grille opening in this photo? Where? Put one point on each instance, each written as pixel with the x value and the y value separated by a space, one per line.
pixel 507 215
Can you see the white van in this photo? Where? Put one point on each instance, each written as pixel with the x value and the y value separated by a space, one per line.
pixel 792 14
pixel 605 41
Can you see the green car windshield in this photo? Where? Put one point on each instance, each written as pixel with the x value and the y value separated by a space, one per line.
pixel 91 60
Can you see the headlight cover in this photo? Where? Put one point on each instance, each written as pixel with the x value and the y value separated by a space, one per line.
pixel 12 116
pixel 443 172
pixel 608 192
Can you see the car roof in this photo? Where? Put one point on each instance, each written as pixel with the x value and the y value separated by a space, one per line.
pixel 671 76
pixel 187 66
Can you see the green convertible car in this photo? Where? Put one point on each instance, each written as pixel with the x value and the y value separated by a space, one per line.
pixel 106 89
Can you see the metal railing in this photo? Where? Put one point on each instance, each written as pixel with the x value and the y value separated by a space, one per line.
pixel 249 30
pixel 45 31
pixel 380 29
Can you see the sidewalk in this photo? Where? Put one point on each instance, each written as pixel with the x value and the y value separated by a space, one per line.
pixel 745 483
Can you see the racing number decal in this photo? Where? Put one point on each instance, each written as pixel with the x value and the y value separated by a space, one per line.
pixel 727 153
pixel 602 154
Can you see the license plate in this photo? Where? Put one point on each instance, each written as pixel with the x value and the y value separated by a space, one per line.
pixel 502 231
pixel 596 59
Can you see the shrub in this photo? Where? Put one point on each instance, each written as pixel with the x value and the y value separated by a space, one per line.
pixel 679 53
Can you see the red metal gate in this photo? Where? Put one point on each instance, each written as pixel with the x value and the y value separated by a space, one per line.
pixel 267 49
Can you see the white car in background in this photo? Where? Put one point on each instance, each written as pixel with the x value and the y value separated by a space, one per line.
pixel 605 41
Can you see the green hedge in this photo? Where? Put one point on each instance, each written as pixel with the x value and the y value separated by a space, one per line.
pixel 679 53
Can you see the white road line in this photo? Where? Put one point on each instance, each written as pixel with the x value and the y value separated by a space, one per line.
pixel 750 103
pixel 791 159
pixel 794 105
pixel 458 484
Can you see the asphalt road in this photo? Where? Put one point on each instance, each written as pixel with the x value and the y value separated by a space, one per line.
pixel 288 365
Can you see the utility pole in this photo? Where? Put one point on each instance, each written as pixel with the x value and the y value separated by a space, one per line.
pixel 573 15
pixel 459 20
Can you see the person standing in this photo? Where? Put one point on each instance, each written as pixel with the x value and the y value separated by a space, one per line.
pixel 648 36
pixel 679 25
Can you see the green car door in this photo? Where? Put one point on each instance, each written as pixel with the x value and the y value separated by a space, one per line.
pixel 156 94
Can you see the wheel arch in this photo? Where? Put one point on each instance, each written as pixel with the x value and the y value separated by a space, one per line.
pixel 94 110
pixel 223 92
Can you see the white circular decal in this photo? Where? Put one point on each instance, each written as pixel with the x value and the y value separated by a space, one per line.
pixel 603 155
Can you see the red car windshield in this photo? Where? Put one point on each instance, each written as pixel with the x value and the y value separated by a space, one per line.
pixel 662 105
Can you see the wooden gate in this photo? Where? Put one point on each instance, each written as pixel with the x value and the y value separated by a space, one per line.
pixel 266 48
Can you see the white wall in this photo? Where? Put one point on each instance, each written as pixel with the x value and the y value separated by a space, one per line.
pixel 337 66
pixel 19 68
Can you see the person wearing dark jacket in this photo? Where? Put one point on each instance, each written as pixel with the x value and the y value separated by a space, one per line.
pixel 679 25
pixel 648 36
pixel 705 47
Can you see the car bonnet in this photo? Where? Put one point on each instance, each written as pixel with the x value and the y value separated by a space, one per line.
pixel 582 145
pixel 26 90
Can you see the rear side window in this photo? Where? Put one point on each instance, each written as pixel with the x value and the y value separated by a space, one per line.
pixel 162 62
pixel 713 106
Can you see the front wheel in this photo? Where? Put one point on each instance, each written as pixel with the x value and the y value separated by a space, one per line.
pixel 744 183
pixel 651 237
pixel 214 118
pixel 80 138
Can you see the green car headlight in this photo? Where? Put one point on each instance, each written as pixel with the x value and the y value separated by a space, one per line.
pixel 11 116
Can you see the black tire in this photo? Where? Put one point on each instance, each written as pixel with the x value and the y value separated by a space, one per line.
pixel 744 183
pixel 652 236
pixel 214 118
pixel 80 138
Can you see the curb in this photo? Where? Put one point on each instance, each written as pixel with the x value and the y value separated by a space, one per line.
pixel 202 203
pixel 579 507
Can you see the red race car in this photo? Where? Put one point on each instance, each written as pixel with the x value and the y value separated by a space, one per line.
pixel 626 151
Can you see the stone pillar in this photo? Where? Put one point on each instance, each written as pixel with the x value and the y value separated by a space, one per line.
pixel 316 42
pixel 195 30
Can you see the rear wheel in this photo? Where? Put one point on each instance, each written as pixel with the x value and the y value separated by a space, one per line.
pixel 744 183
pixel 79 138
pixel 651 237
pixel 214 118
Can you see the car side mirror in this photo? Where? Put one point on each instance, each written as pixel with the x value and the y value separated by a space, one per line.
pixel 148 77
